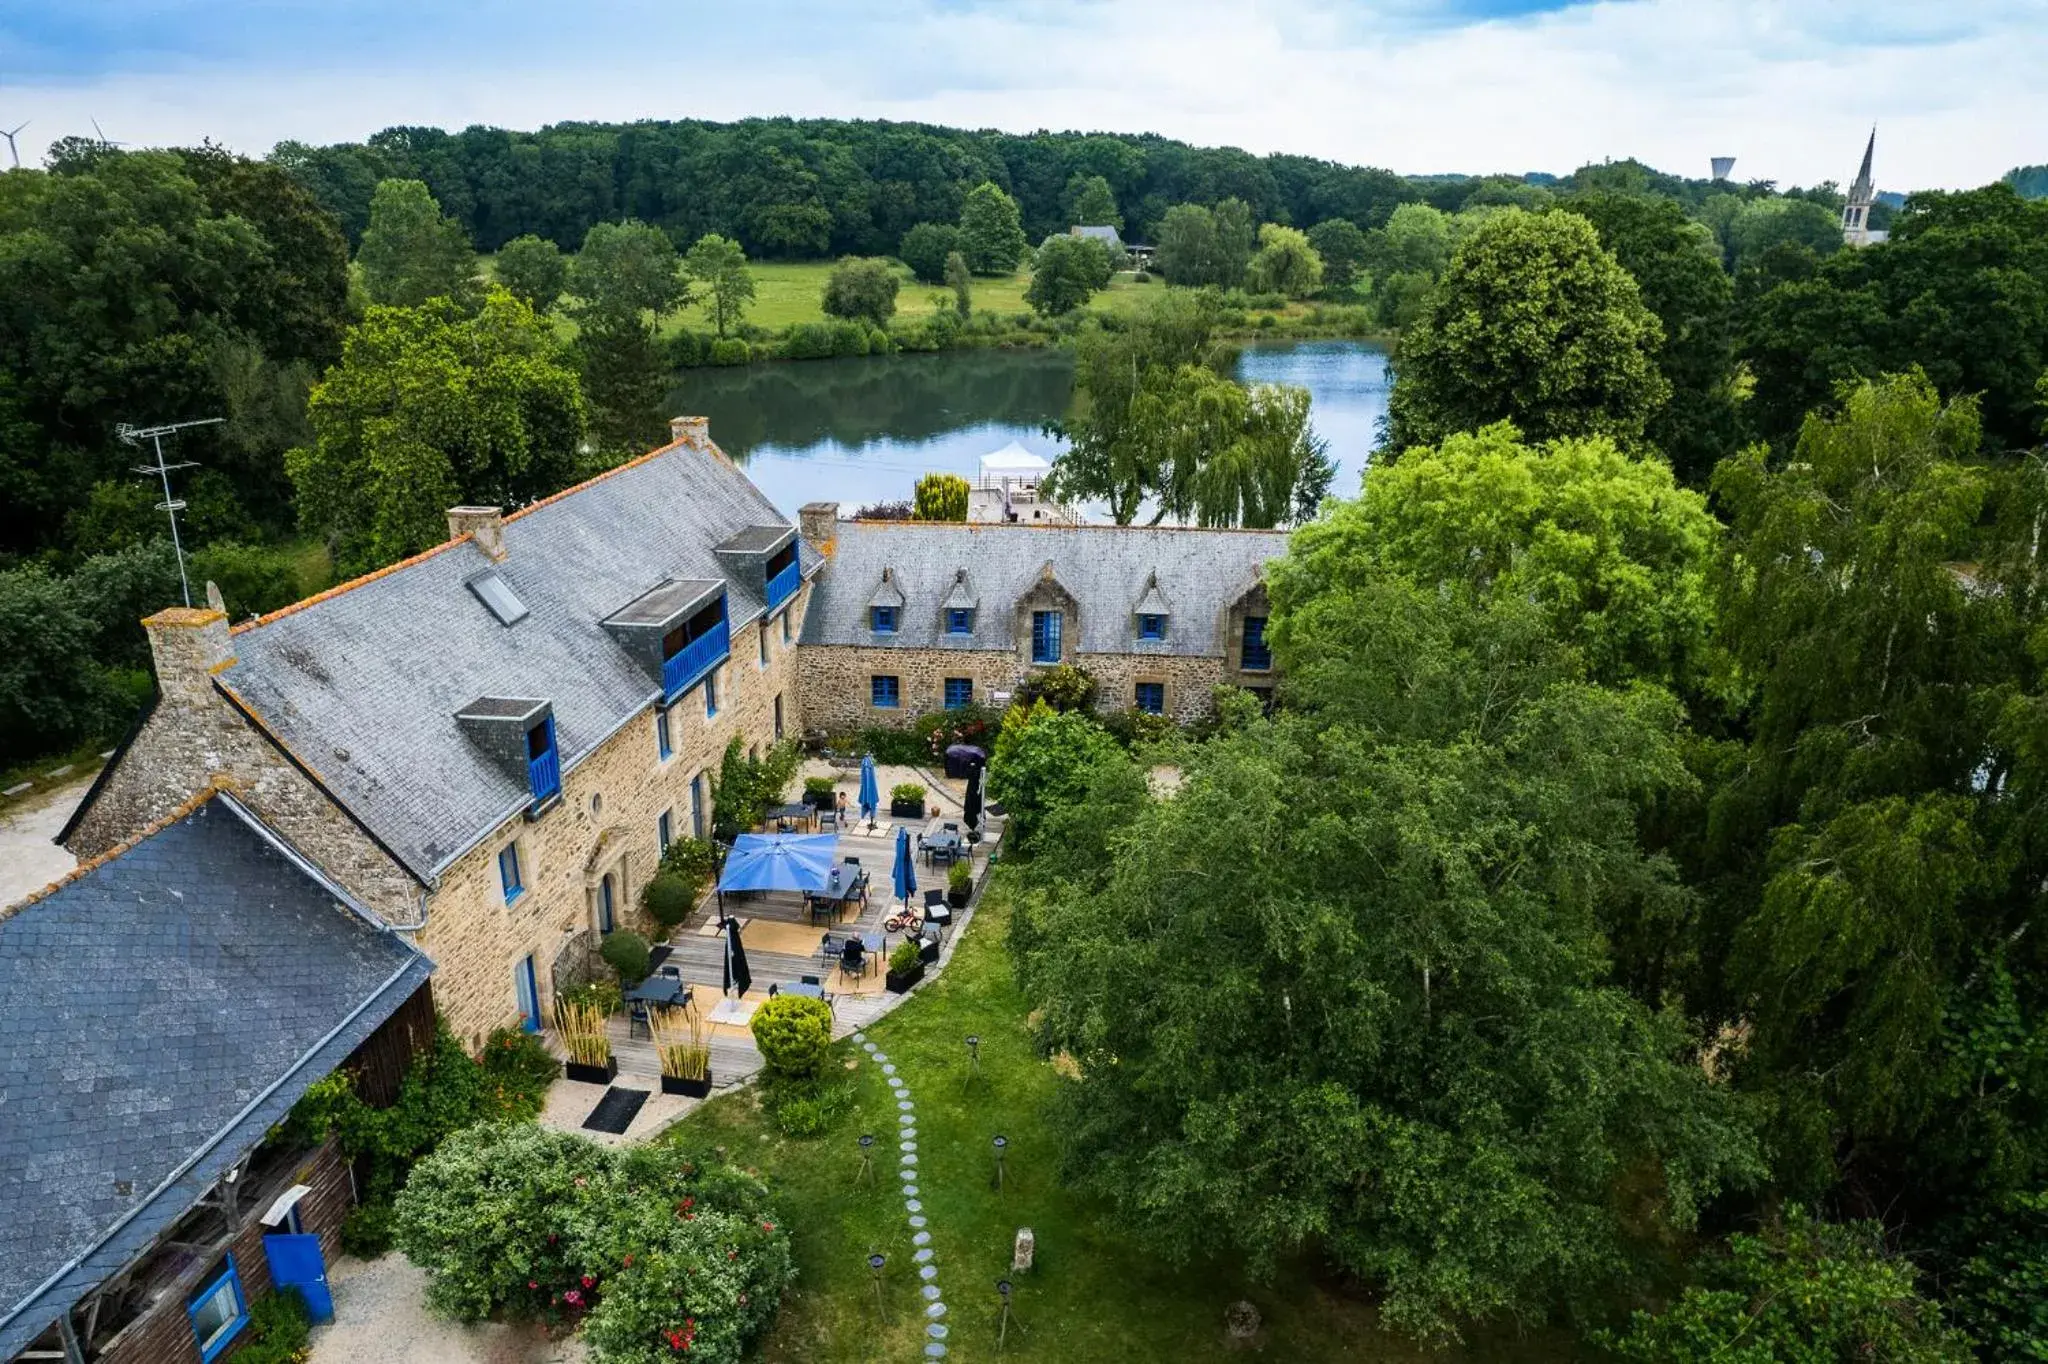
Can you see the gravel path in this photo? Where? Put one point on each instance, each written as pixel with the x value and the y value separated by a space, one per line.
pixel 28 859
pixel 381 1317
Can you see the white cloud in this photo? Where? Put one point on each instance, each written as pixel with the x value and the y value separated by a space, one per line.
pixel 1790 87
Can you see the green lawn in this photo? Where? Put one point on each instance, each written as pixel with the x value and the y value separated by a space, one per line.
pixel 787 292
pixel 1094 1296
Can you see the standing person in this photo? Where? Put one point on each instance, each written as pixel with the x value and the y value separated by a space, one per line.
pixel 842 807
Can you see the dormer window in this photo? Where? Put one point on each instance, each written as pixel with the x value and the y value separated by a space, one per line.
pixel 784 575
pixel 957 611
pixel 691 650
pixel 1045 636
pixel 882 619
pixel 543 761
pixel 1151 611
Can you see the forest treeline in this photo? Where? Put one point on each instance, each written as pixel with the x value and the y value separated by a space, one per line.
pixel 807 188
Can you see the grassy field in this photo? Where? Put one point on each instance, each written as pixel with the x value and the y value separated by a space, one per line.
pixel 787 292
pixel 1095 1295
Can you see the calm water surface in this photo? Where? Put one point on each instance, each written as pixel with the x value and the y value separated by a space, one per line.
pixel 863 430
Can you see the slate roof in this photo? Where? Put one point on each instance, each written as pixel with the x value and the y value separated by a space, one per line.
pixel 1202 572
pixel 363 685
pixel 166 1005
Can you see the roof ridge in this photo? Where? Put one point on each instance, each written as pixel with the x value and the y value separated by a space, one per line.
pixel 352 584
pixel 894 523
pixel 216 785
pixel 594 479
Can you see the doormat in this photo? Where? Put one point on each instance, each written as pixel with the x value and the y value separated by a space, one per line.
pixel 657 956
pixel 615 1111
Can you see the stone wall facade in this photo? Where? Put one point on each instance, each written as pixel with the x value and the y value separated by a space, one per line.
pixel 196 737
pixel 606 825
pixel 836 681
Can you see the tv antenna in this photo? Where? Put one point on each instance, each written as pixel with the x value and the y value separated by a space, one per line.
pixel 10 134
pixel 155 436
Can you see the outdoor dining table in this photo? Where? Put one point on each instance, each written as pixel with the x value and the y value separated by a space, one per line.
pixel 803 987
pixel 944 841
pixel 834 895
pixel 785 815
pixel 662 991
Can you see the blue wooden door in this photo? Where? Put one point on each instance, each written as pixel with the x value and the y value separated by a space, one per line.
pixel 296 1262
pixel 529 994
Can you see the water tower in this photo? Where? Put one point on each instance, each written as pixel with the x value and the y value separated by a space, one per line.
pixel 1722 165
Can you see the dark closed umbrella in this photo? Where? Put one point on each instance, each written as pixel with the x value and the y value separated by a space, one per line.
pixel 971 808
pixel 905 876
pixel 738 977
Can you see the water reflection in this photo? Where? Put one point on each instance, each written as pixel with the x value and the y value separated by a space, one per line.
pixel 862 430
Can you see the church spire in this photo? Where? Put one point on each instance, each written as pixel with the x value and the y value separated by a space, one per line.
pixel 1856 212
pixel 1862 191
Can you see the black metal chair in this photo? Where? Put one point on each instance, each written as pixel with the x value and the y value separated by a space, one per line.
pixel 853 958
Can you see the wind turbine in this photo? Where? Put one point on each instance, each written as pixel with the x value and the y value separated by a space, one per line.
pixel 105 141
pixel 9 134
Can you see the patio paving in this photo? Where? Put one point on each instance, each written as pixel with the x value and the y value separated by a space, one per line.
pixel 781 943
pixel 381 1317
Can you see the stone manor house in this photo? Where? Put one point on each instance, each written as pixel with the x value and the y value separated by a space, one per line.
pixel 489 745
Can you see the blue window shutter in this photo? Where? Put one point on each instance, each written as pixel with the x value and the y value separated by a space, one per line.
pixel 959 693
pixel 883 692
pixel 663 830
pixel 508 872
pixel 1151 698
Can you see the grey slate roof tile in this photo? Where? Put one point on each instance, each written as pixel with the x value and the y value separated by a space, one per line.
pixel 1107 568
pixel 377 673
pixel 144 1007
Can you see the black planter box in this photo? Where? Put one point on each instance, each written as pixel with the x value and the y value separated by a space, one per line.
pixel 694 1089
pixel 958 898
pixel 928 950
pixel 822 800
pixel 905 809
pixel 593 1075
pixel 896 982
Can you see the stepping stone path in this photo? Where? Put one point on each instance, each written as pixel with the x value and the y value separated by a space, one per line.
pixel 906 1119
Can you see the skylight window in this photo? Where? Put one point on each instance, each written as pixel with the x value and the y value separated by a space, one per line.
pixel 493 591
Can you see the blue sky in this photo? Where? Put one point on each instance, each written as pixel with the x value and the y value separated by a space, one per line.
pixel 1789 87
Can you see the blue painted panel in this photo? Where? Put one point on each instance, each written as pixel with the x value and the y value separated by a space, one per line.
pixel 296 1262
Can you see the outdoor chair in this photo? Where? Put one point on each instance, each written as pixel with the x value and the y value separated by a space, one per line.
pixel 934 897
pixel 670 972
pixel 828 821
pixel 853 958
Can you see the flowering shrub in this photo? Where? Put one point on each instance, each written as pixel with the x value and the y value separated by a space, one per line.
pixel 657 1257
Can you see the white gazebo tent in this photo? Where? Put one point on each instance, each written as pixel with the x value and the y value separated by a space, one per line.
pixel 1008 488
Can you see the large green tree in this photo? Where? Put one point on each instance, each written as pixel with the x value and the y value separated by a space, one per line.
pixel 411 252
pixel 991 232
pixel 1229 454
pixel 533 270
pixel 1536 324
pixel 1960 290
pixel 430 408
pixel 924 249
pixel 863 288
pixel 1875 858
pixel 1285 264
pixel 1111 452
pixel 1187 252
pixel 154 287
pixel 1342 248
pixel 1090 202
pixel 1616 557
pixel 1677 267
pixel 720 265
pixel 1383 1029
pixel 1065 272
pixel 626 277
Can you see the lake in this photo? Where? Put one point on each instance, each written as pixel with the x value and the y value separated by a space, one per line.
pixel 862 430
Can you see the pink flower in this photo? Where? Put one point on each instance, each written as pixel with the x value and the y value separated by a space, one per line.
pixel 533 1283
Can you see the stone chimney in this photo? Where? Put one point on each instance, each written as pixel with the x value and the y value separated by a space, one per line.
pixel 486 524
pixel 191 645
pixel 819 522
pixel 692 433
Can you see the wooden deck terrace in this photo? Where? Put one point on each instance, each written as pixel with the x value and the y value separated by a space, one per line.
pixel 782 940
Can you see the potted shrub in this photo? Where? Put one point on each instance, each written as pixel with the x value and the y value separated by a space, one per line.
pixel 685 1054
pixel 581 1024
pixel 821 793
pixel 906 968
pixel 906 801
pixel 959 884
